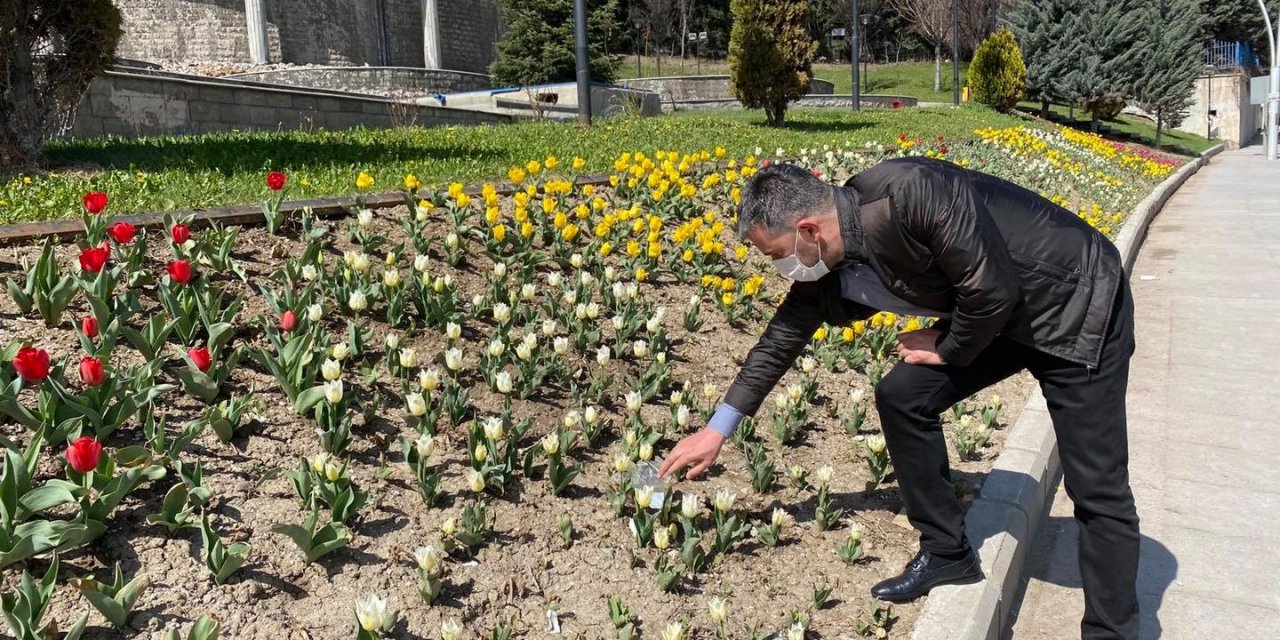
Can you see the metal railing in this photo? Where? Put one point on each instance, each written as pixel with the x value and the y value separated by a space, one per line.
pixel 1222 55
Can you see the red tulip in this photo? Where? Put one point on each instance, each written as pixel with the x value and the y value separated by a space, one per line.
pixel 765 162
pixel 817 173
pixel 95 202
pixel 181 233
pixel 31 364
pixel 180 271
pixel 943 149
pixel 83 454
pixel 276 180
pixel 92 373
pixel 89 326
pixel 201 358
pixel 94 259
pixel 288 321
pixel 122 232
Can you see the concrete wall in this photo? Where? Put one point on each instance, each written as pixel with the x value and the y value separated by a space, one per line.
pixel 345 32
pixel 383 81
pixel 681 89
pixel 1227 93
pixel 132 105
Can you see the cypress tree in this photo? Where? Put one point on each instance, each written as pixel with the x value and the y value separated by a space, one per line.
pixel 538 46
pixel 1170 60
pixel 1041 27
pixel 1108 60
pixel 770 55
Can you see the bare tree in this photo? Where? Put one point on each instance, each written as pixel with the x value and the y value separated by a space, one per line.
pixel 686 10
pixel 931 19
pixel 658 17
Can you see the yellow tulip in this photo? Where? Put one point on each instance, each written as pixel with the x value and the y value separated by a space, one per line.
pixel 606 249
pixel 820 334
pixel 364 181
pixel 570 232
pixel 578 163
pixel 642 274
pixel 500 232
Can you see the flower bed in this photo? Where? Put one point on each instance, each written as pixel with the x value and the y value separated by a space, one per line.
pixel 434 419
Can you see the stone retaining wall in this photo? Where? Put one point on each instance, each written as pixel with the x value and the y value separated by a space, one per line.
pixel 382 81
pixel 682 89
pixel 133 105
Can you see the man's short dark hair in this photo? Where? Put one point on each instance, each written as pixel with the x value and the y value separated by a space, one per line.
pixel 780 194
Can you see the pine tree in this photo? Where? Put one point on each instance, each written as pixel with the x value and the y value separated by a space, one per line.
pixel 538 46
pixel 1170 61
pixel 770 55
pixel 1107 62
pixel 1041 27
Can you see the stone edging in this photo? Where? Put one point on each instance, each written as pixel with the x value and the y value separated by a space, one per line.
pixel 1004 518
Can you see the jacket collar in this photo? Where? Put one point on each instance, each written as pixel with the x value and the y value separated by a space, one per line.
pixel 847 209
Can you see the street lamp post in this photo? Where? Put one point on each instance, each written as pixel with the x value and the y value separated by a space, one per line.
pixel 1273 96
pixel 866 76
pixel 854 47
pixel 955 52
pixel 584 68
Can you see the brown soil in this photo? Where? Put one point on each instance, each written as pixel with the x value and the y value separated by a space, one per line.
pixel 525 568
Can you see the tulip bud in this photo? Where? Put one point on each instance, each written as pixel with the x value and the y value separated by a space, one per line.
pixel 718 609
pixel 644 497
pixel 560 345
pixel 523 352
pixel 554 279
pixel 451 241
pixel 682 416
pixel 586 279
pixel 425 446
pixel 89 327
pixel 408 358
pixel 633 401
pixel 689 506
pixel 808 364
pixel 427 558
pixel 475 479
pixel 603 356
pixel 315 313
pixel 610 274
pixel 724 500
pixel 450 630
pixel 331 370
pixel 640 348
pixel 646 451
pixel 695 300
pixel 661 357
pixel 503 382
pixel 501 313
pixel 593 311
pixel 876 443
pixel 661 538
pixel 417 406
pixel 318 462
pixel 332 472
pixel 857 396
pixel 618 322
pixel 779 517
pixel 590 415
pixel 393 341
pixel 449 526
pixel 631 438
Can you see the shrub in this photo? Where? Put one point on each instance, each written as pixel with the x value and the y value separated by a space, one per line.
pixel 770 55
pixel 538 46
pixel 997 75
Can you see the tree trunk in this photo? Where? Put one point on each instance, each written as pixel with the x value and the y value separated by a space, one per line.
pixel 23 135
pixel 684 28
pixel 937 67
pixel 1159 126
pixel 1044 109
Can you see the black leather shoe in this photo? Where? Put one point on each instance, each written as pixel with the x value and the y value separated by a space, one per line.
pixel 925 572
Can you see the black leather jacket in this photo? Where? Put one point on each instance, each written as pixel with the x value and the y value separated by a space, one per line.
pixel 998 257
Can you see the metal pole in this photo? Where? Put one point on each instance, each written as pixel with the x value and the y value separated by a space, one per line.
pixel 584 70
pixel 1208 110
pixel 955 53
pixel 854 49
pixel 1273 96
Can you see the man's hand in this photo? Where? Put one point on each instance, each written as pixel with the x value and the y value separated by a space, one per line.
pixel 697 451
pixel 920 347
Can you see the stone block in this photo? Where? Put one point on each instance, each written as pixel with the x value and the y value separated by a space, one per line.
pixel 374 108
pixel 224 95
pixel 279 99
pixel 251 97
pixel 203 111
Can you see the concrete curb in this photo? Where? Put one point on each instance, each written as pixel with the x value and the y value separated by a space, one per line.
pixel 1004 518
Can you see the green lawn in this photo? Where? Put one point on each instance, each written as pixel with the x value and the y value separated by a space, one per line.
pixel 913 79
pixel 1171 140
pixel 156 174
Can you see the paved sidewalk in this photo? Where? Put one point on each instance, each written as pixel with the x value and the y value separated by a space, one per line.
pixel 1203 422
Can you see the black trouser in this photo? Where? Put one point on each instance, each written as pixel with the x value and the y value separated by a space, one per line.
pixel 1088 412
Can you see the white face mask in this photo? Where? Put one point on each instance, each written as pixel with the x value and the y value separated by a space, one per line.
pixel 791 266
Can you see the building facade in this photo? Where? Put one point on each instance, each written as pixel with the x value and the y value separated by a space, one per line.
pixel 458 35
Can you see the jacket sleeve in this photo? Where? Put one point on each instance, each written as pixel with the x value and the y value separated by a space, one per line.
pixel 942 212
pixel 786 336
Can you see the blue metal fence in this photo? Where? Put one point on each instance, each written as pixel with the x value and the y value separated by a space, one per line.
pixel 1221 54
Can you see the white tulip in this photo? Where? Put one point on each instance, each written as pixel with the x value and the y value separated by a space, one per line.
pixel 640 348
pixel 530 340
pixel 554 278
pixel 449 526
pixel 633 291
pixel 661 538
pixel 621 463
pixel 340 351
pixel 309 272
pixel 580 311
pixel 695 300
pixel 315 313
pixel 450 630
pixel 528 292
pixel 548 328
pixel 421 263
pixel 425 446
pixel 682 416
pixel 451 241
pixel 477 300
pixel 677 398
pixel 603 355
pixel 429 379
pixel 689 505
pixel 560 345
pixel 572 418
pixel 856 532
pixel 501 313
pixel 718 609
pixel 709 390
pixel 319 461
pixel 364 217
pixel 551 444
pixel 633 401
pixel 781 401
pixel 593 311
pixel 808 364
pixel 428 558
pixel 496 348
pixel 966 421
pixel 408 358
pixel 779 517
pixel 360 263
pixel 796 632
pixel 619 323
pixel 644 496
pixel 619 291
pixel 333 391
pixel 417 406
pixel 795 392
pixel 590 415
pixel 453 331
pixel 475 479
pixel 673 631
pixel 453 359
pixel 724 500
pixel 661 357
pixel 493 428
pixel 503 382
pixel 646 451
pixel 576 260
pixel 373 614
pixel 391 278
pixel 331 370
pixel 357 301
pixel 876 443
pixel 393 341
pixel 610 274
pixel 523 352
pixel 857 396
pixel 823 476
